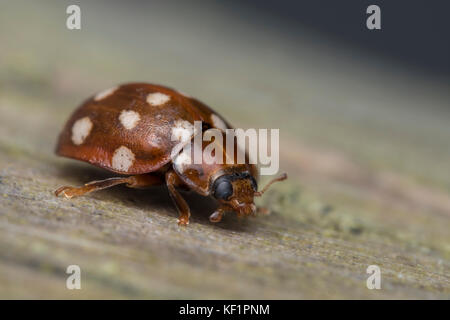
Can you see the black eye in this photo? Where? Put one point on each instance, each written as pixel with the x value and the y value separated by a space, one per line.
pixel 254 184
pixel 223 189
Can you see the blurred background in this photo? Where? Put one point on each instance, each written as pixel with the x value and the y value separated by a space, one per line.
pixel 365 137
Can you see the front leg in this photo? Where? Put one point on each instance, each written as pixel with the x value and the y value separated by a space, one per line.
pixel 172 181
pixel 217 215
pixel 263 211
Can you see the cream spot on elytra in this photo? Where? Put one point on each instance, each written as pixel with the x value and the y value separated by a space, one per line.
pixel 129 119
pixel 81 129
pixel 157 98
pixel 123 159
pixel 218 122
pixel 182 132
pixel 183 159
pixel 105 93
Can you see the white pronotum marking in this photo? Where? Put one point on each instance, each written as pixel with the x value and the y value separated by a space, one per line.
pixel 218 122
pixel 129 119
pixel 81 129
pixel 122 159
pixel 105 93
pixel 157 98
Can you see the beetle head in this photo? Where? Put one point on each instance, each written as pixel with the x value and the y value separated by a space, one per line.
pixel 236 191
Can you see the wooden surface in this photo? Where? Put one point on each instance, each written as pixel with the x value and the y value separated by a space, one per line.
pixel 366 147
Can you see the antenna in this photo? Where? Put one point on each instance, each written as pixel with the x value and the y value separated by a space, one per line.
pixel 280 178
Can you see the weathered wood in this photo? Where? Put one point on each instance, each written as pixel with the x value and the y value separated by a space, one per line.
pixel 369 184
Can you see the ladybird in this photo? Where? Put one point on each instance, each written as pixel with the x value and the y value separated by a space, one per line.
pixel 129 130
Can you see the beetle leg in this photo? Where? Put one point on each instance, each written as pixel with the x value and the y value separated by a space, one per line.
pixel 217 215
pixel 172 181
pixel 263 211
pixel 138 181
pixel 144 180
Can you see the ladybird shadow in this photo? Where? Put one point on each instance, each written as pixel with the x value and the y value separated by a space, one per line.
pixel 153 199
